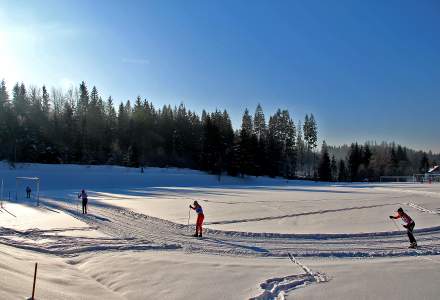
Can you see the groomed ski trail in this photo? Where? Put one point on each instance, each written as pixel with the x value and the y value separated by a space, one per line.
pixel 127 230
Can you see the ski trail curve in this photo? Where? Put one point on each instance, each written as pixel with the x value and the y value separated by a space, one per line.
pixel 128 230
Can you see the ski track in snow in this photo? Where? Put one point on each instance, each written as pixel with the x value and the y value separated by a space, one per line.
pixel 276 288
pixel 128 230
pixel 422 209
pixel 319 212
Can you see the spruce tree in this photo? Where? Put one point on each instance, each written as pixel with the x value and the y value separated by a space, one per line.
pixel 342 171
pixel 6 122
pixel 4 96
pixel 260 133
pixel 259 123
pixel 354 161
pixel 300 149
pixel 324 170
pixel 246 145
pixel 334 169
pixel 424 163
pixel 313 139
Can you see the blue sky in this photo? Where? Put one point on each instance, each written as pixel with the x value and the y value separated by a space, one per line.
pixel 367 70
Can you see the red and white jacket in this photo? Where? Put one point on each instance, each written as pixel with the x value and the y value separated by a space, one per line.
pixel 405 218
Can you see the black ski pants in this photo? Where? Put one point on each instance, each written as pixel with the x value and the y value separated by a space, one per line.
pixel 84 206
pixel 409 231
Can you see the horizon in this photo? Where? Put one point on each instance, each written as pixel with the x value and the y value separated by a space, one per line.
pixel 361 69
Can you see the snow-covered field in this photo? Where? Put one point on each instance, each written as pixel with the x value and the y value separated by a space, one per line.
pixel 135 242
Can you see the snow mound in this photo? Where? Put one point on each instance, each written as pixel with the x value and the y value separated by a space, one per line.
pixel 277 288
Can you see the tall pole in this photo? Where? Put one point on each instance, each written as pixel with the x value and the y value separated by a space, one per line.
pixel 189 216
pixel 38 192
pixel 1 195
pixel 35 279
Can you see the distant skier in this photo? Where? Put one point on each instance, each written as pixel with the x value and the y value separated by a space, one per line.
pixel 409 226
pixel 200 218
pixel 28 192
pixel 83 197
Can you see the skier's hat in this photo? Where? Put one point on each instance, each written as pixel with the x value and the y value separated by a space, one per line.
pixel 196 203
pixel 400 209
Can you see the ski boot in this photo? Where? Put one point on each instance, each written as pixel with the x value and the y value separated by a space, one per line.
pixel 195 235
pixel 413 246
pixel 200 235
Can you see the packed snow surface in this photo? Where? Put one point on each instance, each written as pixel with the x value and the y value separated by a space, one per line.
pixel 135 243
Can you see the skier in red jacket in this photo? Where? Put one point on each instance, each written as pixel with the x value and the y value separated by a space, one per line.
pixel 409 225
pixel 200 218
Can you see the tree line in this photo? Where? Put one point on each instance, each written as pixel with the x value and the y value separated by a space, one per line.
pixel 371 161
pixel 78 126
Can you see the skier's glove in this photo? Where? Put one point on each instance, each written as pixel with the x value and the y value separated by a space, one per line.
pixel 391 217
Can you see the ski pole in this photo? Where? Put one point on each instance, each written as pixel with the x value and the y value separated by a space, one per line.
pixel 189 216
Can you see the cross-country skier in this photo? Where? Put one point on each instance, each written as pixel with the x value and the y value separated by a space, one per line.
pixel 83 196
pixel 200 218
pixel 409 226
pixel 28 192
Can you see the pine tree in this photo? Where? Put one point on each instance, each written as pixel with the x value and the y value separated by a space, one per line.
pixel 354 161
pixel 334 169
pixel 95 128
pixel 274 148
pixel 342 171
pixel 366 157
pixel 260 133
pixel 124 132
pixel 45 102
pixel 310 132
pixel 324 170
pixel 313 139
pixel 289 145
pixel 300 149
pixel 247 145
pixel 70 139
pixel 6 123
pixel 20 102
pixel 110 132
pixel 259 123
pixel 81 115
pixel 424 163
pixel 4 96
pixel 394 161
